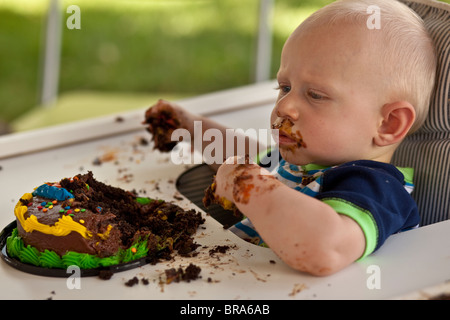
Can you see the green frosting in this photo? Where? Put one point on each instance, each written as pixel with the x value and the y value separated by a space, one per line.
pixel 50 259
pixel 143 200
pixel 29 255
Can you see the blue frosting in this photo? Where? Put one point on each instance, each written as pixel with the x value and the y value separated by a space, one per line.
pixel 51 192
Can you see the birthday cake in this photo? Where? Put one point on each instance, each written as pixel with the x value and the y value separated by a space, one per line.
pixel 81 221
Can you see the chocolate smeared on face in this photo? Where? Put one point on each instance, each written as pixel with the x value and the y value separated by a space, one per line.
pixel 285 127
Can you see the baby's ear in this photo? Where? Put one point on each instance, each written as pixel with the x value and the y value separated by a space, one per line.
pixel 397 118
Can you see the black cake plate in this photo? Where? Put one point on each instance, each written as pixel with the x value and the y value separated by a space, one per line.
pixel 56 272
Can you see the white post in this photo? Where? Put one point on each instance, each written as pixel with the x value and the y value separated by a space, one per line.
pixel 264 42
pixel 52 52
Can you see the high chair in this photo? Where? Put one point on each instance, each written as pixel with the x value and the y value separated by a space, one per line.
pixel 428 149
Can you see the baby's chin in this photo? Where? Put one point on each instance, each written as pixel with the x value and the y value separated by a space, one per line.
pixel 293 156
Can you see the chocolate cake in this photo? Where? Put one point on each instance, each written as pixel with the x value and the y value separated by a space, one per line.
pixel 161 126
pixel 81 221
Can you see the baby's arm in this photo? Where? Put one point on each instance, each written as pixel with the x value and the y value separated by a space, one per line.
pixel 182 119
pixel 304 232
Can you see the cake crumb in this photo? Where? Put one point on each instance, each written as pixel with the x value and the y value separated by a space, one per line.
pixel 133 281
pixel 105 274
pixel 176 275
pixel 219 249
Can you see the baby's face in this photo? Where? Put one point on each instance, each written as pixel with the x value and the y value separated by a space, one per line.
pixel 329 91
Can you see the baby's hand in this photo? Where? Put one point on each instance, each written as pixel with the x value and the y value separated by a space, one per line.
pixel 162 119
pixel 234 183
pixel 220 191
pixel 235 179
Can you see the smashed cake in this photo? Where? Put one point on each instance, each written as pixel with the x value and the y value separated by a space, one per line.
pixel 81 221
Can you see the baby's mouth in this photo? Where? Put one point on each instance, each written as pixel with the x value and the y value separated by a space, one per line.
pixel 287 138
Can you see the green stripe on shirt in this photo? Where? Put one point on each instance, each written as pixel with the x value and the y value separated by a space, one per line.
pixel 408 174
pixel 362 217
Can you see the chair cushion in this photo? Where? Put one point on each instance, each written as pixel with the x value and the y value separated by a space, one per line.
pixel 430 157
pixel 428 149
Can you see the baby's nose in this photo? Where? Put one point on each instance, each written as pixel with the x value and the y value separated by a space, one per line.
pixel 287 108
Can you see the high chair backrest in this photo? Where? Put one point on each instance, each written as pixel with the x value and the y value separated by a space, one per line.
pixel 428 149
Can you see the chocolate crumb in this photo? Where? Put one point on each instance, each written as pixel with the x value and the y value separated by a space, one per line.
pixel 143 141
pixel 176 275
pixel 132 282
pixel 219 249
pixel 105 274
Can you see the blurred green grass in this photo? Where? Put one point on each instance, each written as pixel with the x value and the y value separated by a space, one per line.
pixel 128 53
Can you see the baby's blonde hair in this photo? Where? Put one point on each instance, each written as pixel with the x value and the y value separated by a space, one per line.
pixel 406 55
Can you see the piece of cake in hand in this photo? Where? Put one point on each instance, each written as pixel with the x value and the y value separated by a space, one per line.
pixel 162 121
pixel 211 198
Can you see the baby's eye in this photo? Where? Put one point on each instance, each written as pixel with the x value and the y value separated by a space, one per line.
pixel 284 88
pixel 315 96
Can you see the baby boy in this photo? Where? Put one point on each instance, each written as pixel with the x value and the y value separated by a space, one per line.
pixel 349 92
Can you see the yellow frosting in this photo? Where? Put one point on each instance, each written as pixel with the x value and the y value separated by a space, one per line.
pixel 226 204
pixel 105 235
pixel 62 227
